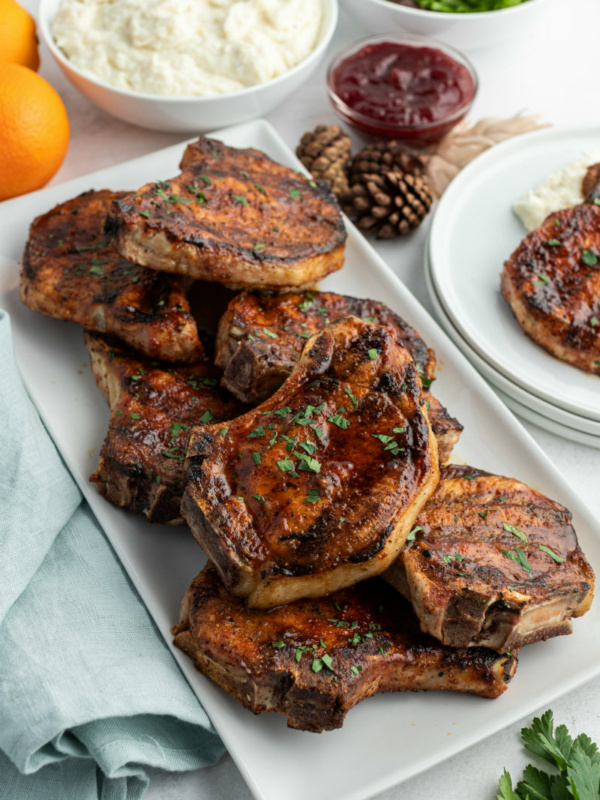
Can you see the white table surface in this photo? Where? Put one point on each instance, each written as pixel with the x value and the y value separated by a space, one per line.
pixel 552 72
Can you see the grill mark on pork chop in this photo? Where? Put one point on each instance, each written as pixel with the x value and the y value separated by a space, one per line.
pixel 314 660
pixel 552 284
pixel 153 405
pixel 71 271
pixel 233 216
pixel 467 580
pixel 329 453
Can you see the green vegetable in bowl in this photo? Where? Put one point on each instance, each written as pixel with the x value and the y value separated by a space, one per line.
pixel 577 765
pixel 468 6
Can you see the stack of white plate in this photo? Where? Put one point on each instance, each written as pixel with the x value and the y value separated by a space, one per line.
pixel 473 232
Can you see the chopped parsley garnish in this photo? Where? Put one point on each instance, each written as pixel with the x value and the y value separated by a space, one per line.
pixel 206 417
pixel 307 464
pixel 279 644
pixel 206 180
pixel 270 333
pixel 258 431
pixel 411 536
pixel 177 427
pixel 283 412
pixel 383 438
pixel 175 198
pixel 424 379
pixel 286 465
pixel 551 553
pixel 259 246
pixel 593 321
pixel 373 353
pixel 369 319
pixel 133 415
pixel 348 391
pixel 313 496
pixel 515 531
pixel 175 452
pixel 259 497
pixel 340 421
pixel 308 447
pixel 256 457
pixel 261 189
pixel 96 270
pixel 239 199
pixel 294 194
pixel 519 558
pixel 543 280
pixel 145 213
pixel 223 431
pixel 589 258
pixel 553 243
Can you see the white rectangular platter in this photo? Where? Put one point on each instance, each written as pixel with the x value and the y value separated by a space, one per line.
pixel 387 738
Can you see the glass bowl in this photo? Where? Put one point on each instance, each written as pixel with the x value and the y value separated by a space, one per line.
pixel 420 132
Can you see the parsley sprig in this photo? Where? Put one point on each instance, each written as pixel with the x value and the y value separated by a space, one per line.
pixel 577 761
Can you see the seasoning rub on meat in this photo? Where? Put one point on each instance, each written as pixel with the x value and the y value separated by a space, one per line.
pixel 313 660
pixel 236 217
pixel 318 487
pixel 154 405
pixel 261 337
pixel 492 562
pixel 71 270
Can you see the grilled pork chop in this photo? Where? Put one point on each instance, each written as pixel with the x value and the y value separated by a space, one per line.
pixel 552 284
pixel 261 337
pixel 153 407
pixel 236 217
pixel 314 660
pixel 71 271
pixel 318 487
pixel 493 563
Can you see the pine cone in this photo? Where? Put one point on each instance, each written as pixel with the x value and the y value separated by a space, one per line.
pixel 386 156
pixel 325 153
pixel 388 205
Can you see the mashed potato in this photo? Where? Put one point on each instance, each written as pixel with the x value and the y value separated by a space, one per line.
pixel 560 190
pixel 179 48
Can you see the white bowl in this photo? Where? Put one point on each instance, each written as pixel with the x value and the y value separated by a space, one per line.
pixel 189 114
pixel 465 31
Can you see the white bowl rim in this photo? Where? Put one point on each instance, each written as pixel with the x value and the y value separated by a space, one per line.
pixel 328 26
pixel 447 15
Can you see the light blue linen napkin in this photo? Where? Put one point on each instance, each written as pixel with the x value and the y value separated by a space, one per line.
pixel 89 693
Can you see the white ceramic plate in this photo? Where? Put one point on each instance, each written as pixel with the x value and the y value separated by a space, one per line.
pixel 546 423
pixel 550 418
pixel 474 231
pixel 387 738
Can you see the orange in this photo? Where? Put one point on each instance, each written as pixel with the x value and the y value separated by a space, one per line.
pixel 18 42
pixel 34 131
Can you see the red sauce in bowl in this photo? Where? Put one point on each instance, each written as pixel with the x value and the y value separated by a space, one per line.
pixel 412 91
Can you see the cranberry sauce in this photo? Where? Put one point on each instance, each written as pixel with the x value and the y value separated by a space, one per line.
pixel 399 89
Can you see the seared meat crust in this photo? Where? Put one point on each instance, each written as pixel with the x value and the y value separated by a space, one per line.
pixel 460 574
pixel 256 362
pixel 261 337
pixel 70 270
pixel 314 660
pixel 236 217
pixel 153 407
pixel 318 487
pixel 552 284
